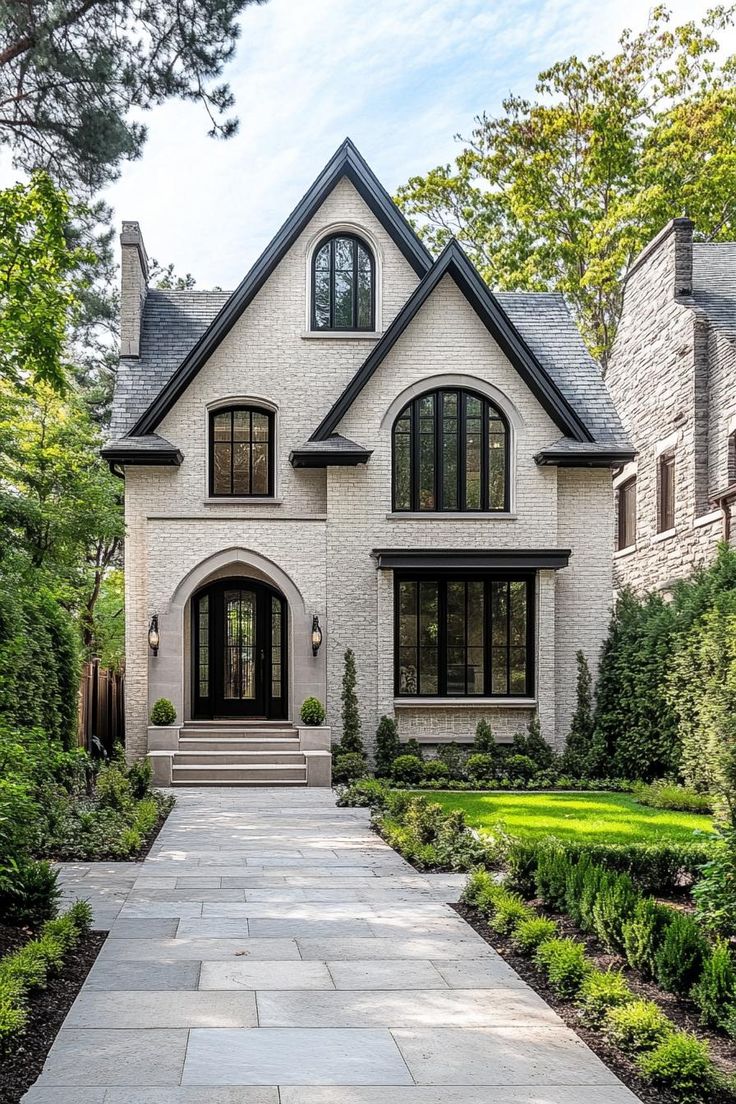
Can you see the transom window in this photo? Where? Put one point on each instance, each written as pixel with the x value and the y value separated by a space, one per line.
pixel 464 637
pixel 241 452
pixel 450 452
pixel 343 276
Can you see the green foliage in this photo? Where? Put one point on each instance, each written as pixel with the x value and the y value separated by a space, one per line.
pixel 680 1065
pixel 350 714
pixel 715 891
pixel 453 758
pixel 427 835
pixel 485 741
pixel 28 891
pixel 679 960
pixel 565 964
pixel 519 768
pixel 107 628
pixel 530 932
pixel 670 795
pixel 552 871
pixel 521 868
pixel 643 933
pixel 140 775
pixel 436 771
pixel 312 711
pixel 533 745
pixel 407 769
pixel 563 189
pixel 364 793
pixel 163 712
pixel 347 767
pixel 638 1026
pixel 615 904
pixel 388 745
pixel 509 910
pixel 480 766
pixel 113 788
pixel 579 750
pixel 601 991
pixel 479 883
pixel 715 990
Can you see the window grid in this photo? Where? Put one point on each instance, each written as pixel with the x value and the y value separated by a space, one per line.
pixel 666 495
pixel 343 285
pixel 241 453
pixel 450 453
pixel 626 496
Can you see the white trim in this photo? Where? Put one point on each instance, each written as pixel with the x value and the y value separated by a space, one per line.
pixel 707 519
pixel 243 400
pixel 628 472
pixel 439 515
pixel 372 241
pixel 664 535
pixel 666 444
pixel 622 553
pixel 732 425
pixel 465 703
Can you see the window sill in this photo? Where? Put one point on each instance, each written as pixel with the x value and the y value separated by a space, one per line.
pixel 244 500
pixel 622 553
pixel 448 515
pixel 707 519
pixel 341 335
pixel 665 535
pixel 464 703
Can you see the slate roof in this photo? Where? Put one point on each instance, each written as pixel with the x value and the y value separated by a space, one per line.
pixel 714 282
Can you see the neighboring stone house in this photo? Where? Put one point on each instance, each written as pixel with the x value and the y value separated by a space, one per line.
pixel 364 444
pixel 672 375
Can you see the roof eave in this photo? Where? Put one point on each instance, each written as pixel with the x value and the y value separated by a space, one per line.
pixel 118 455
pixel 328 458
pixel 593 459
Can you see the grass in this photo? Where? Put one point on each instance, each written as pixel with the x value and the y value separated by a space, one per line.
pixel 596 817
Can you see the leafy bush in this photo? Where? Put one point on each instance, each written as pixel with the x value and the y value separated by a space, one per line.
pixel 436 771
pixel 485 741
pixel 715 990
pixel 29 892
pixel 574 883
pixel 615 904
pixel 480 767
pixel 140 775
pixel 670 795
pixel 428 836
pixel 715 892
pixel 479 881
pixel 643 933
pixel 529 933
pixel 453 757
pixel 163 712
pixel 533 745
pixel 388 746
pixel 565 964
pixel 553 868
pixel 680 958
pixel 519 768
pixel 638 1025
pixel 364 793
pixel 348 767
pixel 312 711
pixel 602 990
pixel 509 909
pixel 681 1065
pixel 407 769
pixel 593 878
pixel 521 863
pixel 112 788
pixel 660 868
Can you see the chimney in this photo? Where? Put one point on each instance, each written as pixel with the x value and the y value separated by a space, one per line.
pixel 134 281
pixel 667 260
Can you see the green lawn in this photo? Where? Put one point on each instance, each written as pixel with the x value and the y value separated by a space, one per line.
pixel 597 817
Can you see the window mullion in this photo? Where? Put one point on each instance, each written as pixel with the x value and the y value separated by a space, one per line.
pixel 439 414
pixel 508 637
pixel 414 453
pixel 232 451
pixel 355 285
pixel 332 284
pixel 461 447
pixel 485 495
pixel 442 637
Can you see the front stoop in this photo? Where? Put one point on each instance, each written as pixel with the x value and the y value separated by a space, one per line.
pixel 244 754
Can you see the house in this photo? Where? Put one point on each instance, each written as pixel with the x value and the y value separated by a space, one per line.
pixel 672 375
pixel 359 447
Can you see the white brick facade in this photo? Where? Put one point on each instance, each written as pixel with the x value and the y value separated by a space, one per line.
pixel 314 540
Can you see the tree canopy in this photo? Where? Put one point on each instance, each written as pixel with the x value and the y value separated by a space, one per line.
pixel 74 75
pixel 562 191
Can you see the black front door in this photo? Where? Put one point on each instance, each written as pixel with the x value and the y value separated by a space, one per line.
pixel 239 653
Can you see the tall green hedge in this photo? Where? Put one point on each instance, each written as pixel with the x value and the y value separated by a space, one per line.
pixel 39 661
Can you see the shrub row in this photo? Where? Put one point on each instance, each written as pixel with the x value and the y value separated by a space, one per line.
pixel 28 968
pixel 674 1061
pixel 671 795
pixel 428 836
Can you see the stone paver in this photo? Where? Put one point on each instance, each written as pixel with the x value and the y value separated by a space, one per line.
pixel 272 950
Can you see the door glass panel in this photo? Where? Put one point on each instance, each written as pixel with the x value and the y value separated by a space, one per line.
pixel 276 630
pixel 239 645
pixel 203 634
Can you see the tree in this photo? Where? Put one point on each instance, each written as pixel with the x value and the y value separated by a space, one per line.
pixel 41 280
pixel 580 737
pixel 562 192
pixel 351 738
pixel 388 746
pixel 74 72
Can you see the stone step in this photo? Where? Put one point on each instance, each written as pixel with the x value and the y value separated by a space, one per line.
pixel 274 774
pixel 234 782
pixel 186 756
pixel 237 743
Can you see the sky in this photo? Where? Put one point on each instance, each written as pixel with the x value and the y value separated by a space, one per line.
pixel 400 77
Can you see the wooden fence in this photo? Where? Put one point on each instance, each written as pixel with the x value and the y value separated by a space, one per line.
pixel 101 709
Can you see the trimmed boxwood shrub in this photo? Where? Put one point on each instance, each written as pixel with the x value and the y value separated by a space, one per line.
pixel 508 910
pixel 615 904
pixel 602 990
pixel 715 990
pixel 637 1026
pixel 348 767
pixel 388 745
pixel 643 933
pixel 681 1065
pixel 528 934
pixel 679 960
pixel 565 964
pixel 163 712
pixel 312 711
pixel 436 771
pixel 408 769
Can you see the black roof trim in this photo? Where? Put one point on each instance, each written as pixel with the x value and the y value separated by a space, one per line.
pixel 600 458
pixel 508 559
pixel 155 457
pixel 345 162
pixel 454 262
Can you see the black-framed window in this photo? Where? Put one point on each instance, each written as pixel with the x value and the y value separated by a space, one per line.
pixel 343 284
pixel 450 452
pixel 666 492
pixel 464 636
pixel 626 500
pixel 241 452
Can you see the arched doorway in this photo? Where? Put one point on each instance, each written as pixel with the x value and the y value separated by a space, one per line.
pixel 239 652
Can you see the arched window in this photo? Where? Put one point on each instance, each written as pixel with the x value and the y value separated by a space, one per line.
pixel 241 452
pixel 343 278
pixel 450 452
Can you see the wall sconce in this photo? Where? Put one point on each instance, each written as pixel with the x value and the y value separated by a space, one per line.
pixel 316 635
pixel 153 636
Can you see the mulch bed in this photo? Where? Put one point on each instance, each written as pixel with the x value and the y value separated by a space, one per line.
pixel 22 1059
pixel 722 1050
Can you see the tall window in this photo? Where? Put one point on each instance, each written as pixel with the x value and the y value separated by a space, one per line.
pixel 343 293
pixel 666 492
pixel 731 463
pixel 627 513
pixel 241 452
pixel 465 637
pixel 450 452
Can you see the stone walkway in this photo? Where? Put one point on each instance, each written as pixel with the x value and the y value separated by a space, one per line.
pixel 272 950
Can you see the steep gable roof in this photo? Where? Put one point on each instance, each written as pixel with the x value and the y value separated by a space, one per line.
pixel 346 162
pixel 454 263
